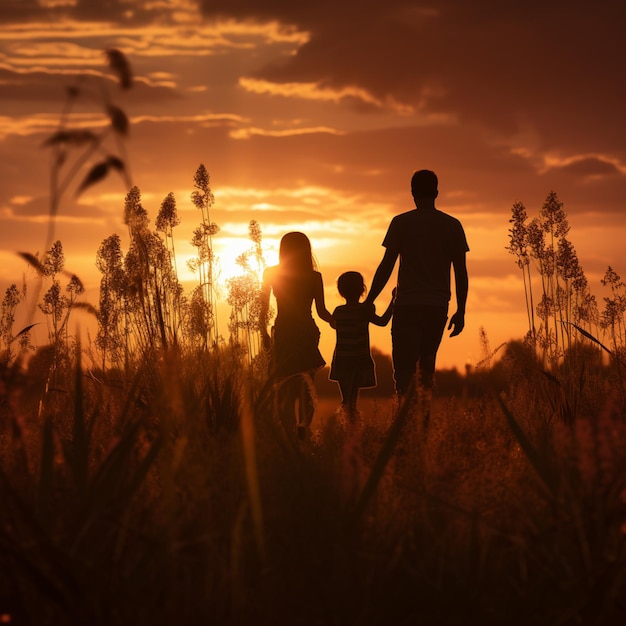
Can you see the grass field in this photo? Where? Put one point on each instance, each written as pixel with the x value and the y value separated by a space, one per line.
pixel 178 497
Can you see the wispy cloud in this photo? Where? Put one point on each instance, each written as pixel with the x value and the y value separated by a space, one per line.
pixel 316 91
pixel 586 165
pixel 246 133
pixel 201 119
pixel 44 124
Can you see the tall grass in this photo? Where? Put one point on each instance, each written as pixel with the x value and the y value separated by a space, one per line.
pixel 177 496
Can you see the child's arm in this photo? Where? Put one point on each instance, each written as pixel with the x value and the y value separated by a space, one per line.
pixel 383 320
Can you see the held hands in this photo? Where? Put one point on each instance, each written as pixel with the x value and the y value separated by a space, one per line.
pixel 458 322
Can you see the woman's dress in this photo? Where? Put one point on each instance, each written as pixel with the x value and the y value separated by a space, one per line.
pixel 295 334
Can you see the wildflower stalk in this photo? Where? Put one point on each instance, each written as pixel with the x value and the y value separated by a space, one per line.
pixel 244 292
pixel 565 292
pixel 204 264
pixel 518 245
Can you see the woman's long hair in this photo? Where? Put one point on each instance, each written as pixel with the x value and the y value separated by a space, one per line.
pixel 295 255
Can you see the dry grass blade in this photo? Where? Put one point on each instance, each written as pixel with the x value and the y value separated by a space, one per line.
pixel 538 463
pixel 119 120
pixel 252 475
pixel 33 261
pixel 116 163
pixel 74 137
pixel 25 330
pixel 552 378
pixel 95 175
pixel 595 340
pixel 85 306
pixel 384 455
pixel 80 443
pixel 46 471
pixel 116 480
pixel 119 64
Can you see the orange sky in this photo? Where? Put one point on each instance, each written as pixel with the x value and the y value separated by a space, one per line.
pixel 313 116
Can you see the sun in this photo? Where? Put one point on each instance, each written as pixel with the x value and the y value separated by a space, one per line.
pixel 233 256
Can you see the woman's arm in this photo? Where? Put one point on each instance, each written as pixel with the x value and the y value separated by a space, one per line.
pixel 264 303
pixel 320 304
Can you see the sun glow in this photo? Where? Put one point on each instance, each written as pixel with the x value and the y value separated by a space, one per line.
pixel 234 256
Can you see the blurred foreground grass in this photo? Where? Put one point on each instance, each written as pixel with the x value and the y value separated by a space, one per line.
pixel 178 497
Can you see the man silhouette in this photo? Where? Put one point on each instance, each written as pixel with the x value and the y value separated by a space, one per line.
pixel 428 243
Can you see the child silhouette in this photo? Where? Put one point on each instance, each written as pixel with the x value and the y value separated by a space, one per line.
pixel 352 366
pixel 295 355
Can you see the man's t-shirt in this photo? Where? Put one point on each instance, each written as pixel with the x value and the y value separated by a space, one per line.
pixel 427 240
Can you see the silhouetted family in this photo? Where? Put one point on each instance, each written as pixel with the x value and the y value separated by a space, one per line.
pixel 428 243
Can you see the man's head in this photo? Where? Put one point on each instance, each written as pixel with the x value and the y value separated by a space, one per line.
pixel 424 185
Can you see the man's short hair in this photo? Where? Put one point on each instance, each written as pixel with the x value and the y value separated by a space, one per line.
pixel 424 184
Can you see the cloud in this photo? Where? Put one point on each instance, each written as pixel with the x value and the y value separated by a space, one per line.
pixel 477 176
pixel 125 11
pixel 588 166
pixel 314 91
pixel 246 133
pixel 34 89
pixel 553 66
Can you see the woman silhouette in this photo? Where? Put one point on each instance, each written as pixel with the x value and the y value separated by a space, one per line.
pixel 295 355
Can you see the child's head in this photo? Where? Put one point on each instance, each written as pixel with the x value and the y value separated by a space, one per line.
pixel 351 285
pixel 295 253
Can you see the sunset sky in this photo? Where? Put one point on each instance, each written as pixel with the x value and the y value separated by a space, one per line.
pixel 313 116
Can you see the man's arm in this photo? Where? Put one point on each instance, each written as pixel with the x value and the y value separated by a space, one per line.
pixel 457 321
pixel 383 272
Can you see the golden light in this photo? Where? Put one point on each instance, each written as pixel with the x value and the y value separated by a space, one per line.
pixel 235 256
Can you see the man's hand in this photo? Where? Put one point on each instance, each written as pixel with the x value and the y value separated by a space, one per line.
pixel 458 322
